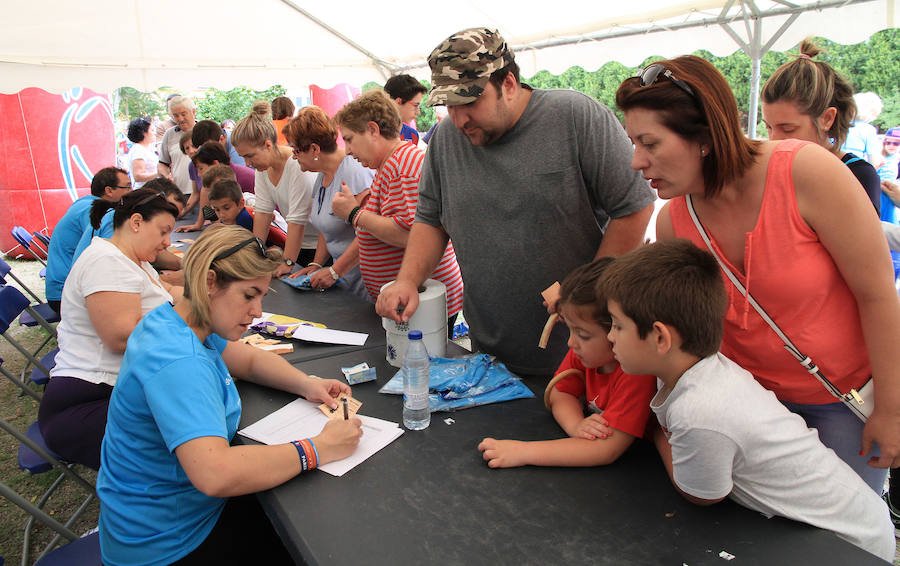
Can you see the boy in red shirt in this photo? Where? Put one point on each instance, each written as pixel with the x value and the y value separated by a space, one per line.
pixel 618 404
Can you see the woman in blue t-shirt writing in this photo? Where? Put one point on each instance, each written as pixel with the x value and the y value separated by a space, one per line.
pixel 169 477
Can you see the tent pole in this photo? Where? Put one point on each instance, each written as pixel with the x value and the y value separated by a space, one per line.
pixel 755 59
pixel 382 66
pixel 754 49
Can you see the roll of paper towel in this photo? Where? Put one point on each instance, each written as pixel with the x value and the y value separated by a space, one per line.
pixel 430 317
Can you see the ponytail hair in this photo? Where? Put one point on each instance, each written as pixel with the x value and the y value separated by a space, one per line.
pixel 148 202
pixel 813 86
pixel 254 129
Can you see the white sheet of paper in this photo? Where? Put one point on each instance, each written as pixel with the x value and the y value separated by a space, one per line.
pixel 329 336
pixel 326 335
pixel 302 419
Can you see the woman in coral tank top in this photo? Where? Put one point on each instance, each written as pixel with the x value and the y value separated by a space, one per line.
pixel 793 225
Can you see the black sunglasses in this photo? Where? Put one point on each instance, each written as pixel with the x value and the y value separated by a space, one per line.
pixel 259 248
pixel 146 199
pixel 651 73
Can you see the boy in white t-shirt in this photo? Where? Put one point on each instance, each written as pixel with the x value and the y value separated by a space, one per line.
pixel 722 434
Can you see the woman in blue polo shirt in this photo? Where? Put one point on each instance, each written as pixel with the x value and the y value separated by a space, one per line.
pixel 167 468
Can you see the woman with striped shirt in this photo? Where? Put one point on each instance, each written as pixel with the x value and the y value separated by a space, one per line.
pixel 370 126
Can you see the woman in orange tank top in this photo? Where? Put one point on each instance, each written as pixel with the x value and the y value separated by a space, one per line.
pixel 789 219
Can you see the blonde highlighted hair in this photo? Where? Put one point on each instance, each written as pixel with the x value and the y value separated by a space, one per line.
pixel 244 264
pixel 371 106
pixel 254 129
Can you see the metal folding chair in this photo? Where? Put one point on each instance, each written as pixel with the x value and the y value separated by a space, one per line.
pixel 6 269
pixel 26 240
pixel 85 552
pixel 12 304
pixel 39 305
pixel 35 457
pixel 43 239
pixel 19 383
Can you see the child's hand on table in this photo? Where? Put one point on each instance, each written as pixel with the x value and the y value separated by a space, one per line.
pixel 593 427
pixel 502 453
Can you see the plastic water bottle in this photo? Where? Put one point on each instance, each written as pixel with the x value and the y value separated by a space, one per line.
pixel 416 412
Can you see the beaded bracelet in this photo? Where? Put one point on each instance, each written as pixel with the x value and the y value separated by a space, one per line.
pixel 309 456
pixel 353 214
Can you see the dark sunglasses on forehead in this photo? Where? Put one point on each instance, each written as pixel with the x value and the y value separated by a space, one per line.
pixel 147 199
pixel 651 73
pixel 259 248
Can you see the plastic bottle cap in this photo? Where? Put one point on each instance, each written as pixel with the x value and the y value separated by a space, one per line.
pixel 414 335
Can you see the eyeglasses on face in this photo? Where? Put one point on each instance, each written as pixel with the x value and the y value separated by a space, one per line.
pixel 651 73
pixel 260 247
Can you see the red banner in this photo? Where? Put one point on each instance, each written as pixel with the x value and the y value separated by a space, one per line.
pixel 50 147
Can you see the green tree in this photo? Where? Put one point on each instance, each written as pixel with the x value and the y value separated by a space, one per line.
pixel 426 118
pixel 872 65
pixel 135 104
pixel 236 103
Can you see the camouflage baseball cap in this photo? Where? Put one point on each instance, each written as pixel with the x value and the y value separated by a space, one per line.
pixel 462 64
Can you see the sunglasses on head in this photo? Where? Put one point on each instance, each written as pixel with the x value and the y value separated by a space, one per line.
pixel 260 247
pixel 651 73
pixel 147 199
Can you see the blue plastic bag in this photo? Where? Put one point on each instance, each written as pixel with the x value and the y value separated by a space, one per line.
pixel 301 282
pixel 460 383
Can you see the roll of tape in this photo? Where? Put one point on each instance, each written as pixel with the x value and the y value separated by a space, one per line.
pixel 430 317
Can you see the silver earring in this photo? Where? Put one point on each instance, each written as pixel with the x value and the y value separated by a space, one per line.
pixel 316 158
pixel 702 153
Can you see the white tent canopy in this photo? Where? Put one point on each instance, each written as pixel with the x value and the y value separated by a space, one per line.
pixel 106 44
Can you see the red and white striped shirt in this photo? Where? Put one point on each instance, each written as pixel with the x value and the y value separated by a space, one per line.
pixel 394 194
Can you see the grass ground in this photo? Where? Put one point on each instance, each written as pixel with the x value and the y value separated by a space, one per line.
pixel 20 411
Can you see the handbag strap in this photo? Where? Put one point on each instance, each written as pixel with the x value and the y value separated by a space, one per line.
pixel 804 360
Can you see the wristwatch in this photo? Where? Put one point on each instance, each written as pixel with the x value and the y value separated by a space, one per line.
pixel 334 274
pixel 289 262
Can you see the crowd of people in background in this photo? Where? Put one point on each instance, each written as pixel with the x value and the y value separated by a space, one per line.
pixel 541 186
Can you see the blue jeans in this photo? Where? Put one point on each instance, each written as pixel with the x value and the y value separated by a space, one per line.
pixel 841 430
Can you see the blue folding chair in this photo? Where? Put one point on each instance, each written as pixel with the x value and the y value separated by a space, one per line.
pixel 40 306
pixel 12 304
pixel 35 457
pixel 43 239
pixel 84 552
pixel 6 270
pixel 26 240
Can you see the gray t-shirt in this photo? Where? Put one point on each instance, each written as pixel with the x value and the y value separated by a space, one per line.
pixel 526 210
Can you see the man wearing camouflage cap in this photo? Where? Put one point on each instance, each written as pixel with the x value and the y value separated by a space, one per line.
pixel 528 184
